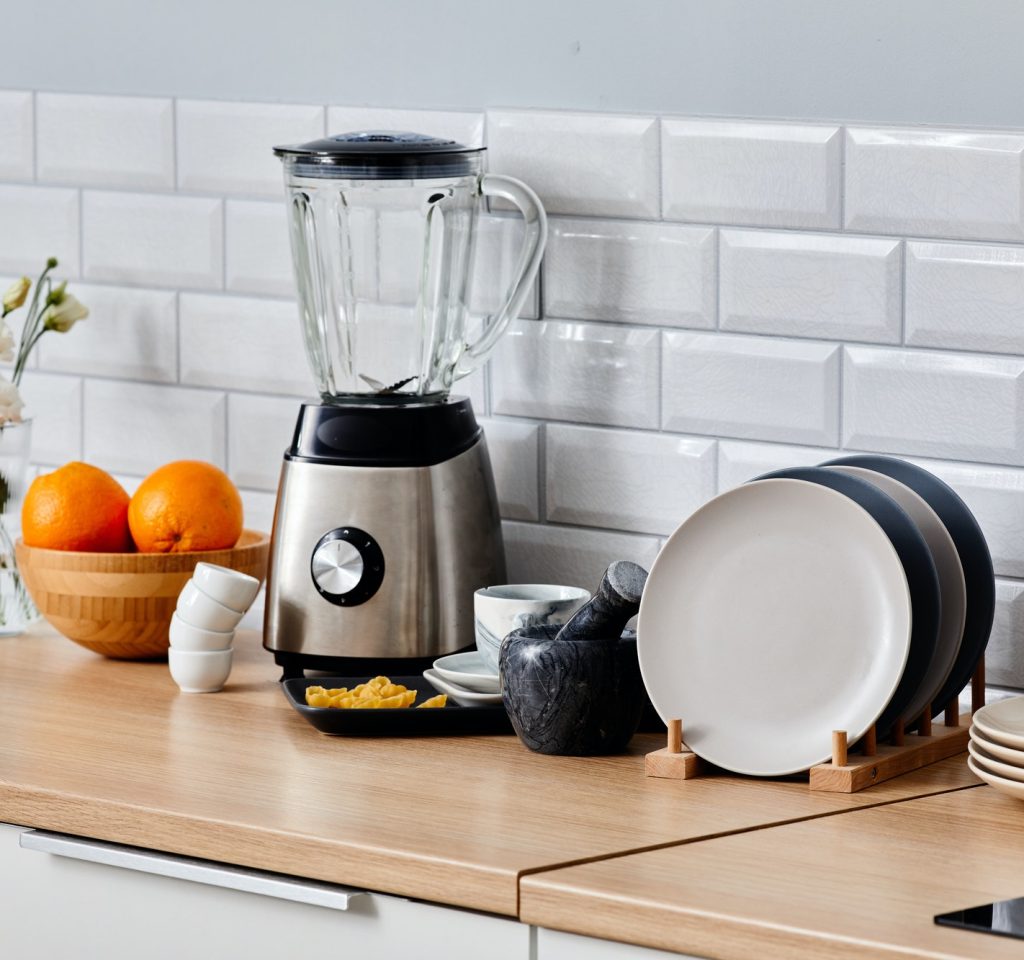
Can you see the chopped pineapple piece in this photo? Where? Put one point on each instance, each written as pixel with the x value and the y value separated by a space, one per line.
pixel 440 700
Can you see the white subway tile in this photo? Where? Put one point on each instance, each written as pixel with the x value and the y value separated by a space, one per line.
pixel 257 255
pixel 55 405
pixel 461 126
pixel 15 134
pixel 140 238
pixel 811 285
pixel 965 296
pixel 135 428
pixel 593 373
pixel 575 558
pixel 761 174
pixel 498 241
pixel 961 406
pixel 39 222
pixel 592 164
pixel 995 495
pixel 628 270
pixel 643 482
pixel 751 387
pixel 128 333
pixel 937 183
pixel 739 462
pixel 258 510
pixel 1004 656
pixel 228 147
pixel 259 431
pixel 243 343
pixel 513 447
pixel 105 141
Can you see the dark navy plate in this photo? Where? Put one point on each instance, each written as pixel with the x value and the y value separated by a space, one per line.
pixel 974 557
pixel 922 578
pixel 402 722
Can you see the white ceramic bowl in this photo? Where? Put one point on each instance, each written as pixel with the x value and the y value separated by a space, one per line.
pixel 497 611
pixel 233 589
pixel 200 610
pixel 186 637
pixel 199 671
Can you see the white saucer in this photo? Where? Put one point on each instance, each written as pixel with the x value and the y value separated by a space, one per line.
pixel 469 671
pixel 1003 722
pixel 462 696
pixel 1012 787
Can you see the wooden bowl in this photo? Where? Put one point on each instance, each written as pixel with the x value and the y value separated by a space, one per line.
pixel 120 604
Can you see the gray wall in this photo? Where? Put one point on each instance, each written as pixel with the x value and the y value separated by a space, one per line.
pixel 921 61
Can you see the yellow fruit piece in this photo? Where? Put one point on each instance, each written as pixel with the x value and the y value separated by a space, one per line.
pixel 440 700
pixel 337 691
pixel 391 689
pixel 319 700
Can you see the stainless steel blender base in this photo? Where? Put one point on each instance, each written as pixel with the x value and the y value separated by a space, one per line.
pixel 438 530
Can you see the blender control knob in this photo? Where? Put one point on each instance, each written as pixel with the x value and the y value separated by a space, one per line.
pixel 347 566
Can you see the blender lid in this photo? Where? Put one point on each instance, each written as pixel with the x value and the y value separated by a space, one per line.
pixel 381 155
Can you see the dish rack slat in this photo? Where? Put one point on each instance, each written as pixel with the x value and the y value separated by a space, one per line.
pixel 851 768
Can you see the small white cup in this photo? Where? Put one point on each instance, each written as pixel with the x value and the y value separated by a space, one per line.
pixel 186 637
pixel 200 671
pixel 200 610
pixel 497 611
pixel 230 587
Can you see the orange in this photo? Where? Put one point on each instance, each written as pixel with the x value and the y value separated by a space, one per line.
pixel 78 507
pixel 185 505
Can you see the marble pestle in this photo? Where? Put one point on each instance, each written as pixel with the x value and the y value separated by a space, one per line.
pixel 616 601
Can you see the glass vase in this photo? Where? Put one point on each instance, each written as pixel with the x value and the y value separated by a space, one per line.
pixel 17 610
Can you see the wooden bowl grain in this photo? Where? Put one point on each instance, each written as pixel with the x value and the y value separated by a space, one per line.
pixel 120 604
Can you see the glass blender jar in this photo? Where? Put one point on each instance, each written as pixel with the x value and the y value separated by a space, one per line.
pixel 387 519
pixel 382 232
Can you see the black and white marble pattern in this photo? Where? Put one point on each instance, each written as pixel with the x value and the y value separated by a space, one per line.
pixel 571 697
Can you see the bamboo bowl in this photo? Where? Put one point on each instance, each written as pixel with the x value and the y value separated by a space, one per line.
pixel 120 604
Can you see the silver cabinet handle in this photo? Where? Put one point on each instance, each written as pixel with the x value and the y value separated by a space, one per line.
pixel 197 871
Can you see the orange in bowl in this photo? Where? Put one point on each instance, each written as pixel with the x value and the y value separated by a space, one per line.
pixel 77 507
pixel 185 506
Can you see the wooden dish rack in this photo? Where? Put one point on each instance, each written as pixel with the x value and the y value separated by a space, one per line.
pixel 849 771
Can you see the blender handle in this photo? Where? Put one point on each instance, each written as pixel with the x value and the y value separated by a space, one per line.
pixel 536 236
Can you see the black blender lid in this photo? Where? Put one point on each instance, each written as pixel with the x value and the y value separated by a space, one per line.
pixel 381 154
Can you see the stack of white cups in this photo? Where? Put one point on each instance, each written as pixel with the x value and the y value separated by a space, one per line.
pixel 203 626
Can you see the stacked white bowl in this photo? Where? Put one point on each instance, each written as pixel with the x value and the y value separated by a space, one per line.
pixel 203 625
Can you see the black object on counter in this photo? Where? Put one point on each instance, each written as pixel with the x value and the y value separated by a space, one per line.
pixel 399 722
pixel 616 602
pixel 571 697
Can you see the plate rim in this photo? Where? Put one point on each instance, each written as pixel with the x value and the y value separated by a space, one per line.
pixel 475 697
pixel 979 573
pixel 1013 740
pixel 904 595
pixel 1011 787
pixel 994 765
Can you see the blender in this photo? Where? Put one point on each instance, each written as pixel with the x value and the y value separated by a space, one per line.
pixel 386 519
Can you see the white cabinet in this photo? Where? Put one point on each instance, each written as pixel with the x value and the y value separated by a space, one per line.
pixel 555 945
pixel 58 905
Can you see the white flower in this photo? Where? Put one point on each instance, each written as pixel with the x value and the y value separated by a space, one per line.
pixel 63 314
pixel 11 403
pixel 6 343
pixel 15 295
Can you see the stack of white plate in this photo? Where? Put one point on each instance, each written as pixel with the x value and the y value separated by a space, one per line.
pixel 815 599
pixel 997 745
pixel 466 678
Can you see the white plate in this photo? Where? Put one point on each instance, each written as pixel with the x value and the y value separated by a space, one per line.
pixel 1006 754
pixel 952 586
pixel 777 613
pixel 1000 783
pixel 468 670
pixel 1003 722
pixel 990 763
pixel 462 696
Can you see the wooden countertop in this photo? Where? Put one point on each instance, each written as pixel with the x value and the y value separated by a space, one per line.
pixel 112 750
pixel 864 884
